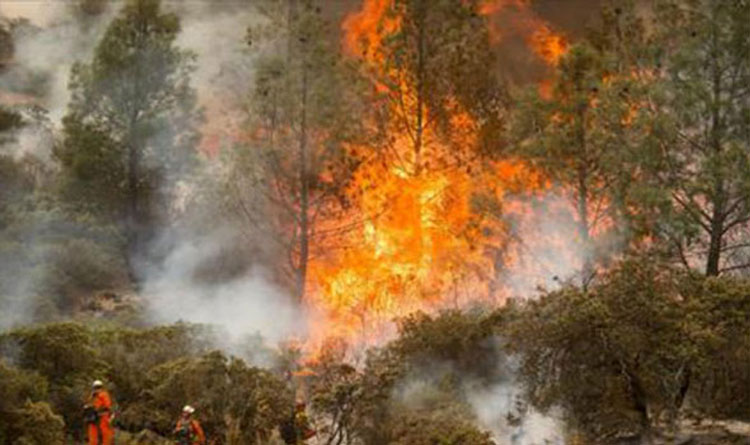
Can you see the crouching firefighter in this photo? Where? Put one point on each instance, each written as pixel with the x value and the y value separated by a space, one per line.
pixel 97 414
pixel 188 431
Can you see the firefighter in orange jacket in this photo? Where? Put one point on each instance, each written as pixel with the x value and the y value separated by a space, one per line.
pixel 188 430
pixel 98 414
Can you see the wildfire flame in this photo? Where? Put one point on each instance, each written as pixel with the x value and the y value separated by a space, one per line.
pixel 364 29
pixel 518 18
pixel 548 45
pixel 423 242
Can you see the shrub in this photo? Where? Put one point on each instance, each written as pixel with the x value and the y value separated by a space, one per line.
pixel 39 425
pixel 65 354
pixel 22 393
pixel 240 404
pixel 439 429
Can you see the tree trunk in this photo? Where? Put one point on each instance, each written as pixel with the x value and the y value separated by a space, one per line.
pixel 584 229
pixel 640 403
pixel 419 130
pixel 133 220
pixel 304 224
pixel 134 142
pixel 718 199
pixel 713 260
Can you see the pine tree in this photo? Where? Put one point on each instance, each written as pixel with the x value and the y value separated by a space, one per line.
pixel 707 148
pixel 589 139
pixel 131 120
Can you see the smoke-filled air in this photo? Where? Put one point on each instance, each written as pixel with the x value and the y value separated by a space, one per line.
pixel 374 222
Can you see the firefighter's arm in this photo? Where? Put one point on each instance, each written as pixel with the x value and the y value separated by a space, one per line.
pixel 199 432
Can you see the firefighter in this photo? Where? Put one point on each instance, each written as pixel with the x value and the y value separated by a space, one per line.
pixel 296 430
pixel 302 423
pixel 188 431
pixel 98 415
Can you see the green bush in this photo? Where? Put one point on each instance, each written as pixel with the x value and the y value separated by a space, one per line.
pixel 78 267
pixel 614 357
pixel 131 353
pixel 22 394
pixel 235 403
pixel 65 354
pixel 465 340
pixel 439 429
pixel 720 309
pixel 40 425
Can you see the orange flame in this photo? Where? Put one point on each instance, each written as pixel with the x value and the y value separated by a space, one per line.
pixel 551 47
pixel 539 36
pixel 364 30
pixel 428 230
pixel 419 242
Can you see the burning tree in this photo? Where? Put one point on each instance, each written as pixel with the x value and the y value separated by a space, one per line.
pixel 590 132
pixel 427 60
pixel 423 243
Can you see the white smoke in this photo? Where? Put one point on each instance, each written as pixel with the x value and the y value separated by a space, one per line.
pixel 217 36
pixel 34 140
pixel 14 309
pixel 546 250
pixel 216 33
pixel 246 306
pixel 496 399
pixel 40 12
pixel 57 37
pixel 501 410
pixel 46 50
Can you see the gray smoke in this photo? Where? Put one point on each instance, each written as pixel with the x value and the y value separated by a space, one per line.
pixel 46 47
pixel 497 406
pixel 49 37
pixel 502 410
pixel 243 306
pixel 545 252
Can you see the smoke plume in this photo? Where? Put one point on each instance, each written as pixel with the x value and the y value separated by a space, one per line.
pixel 244 306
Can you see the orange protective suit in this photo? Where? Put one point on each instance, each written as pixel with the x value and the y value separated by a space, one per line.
pixel 102 403
pixel 197 437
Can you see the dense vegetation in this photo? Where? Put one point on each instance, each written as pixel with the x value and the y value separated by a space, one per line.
pixel 628 357
pixel 644 131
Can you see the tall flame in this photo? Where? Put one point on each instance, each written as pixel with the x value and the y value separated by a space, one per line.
pixel 421 240
pixel 364 29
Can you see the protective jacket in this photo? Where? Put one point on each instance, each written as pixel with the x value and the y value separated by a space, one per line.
pixel 189 432
pixel 97 415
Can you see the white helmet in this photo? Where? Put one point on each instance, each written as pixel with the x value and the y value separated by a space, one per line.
pixel 97 384
pixel 188 409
